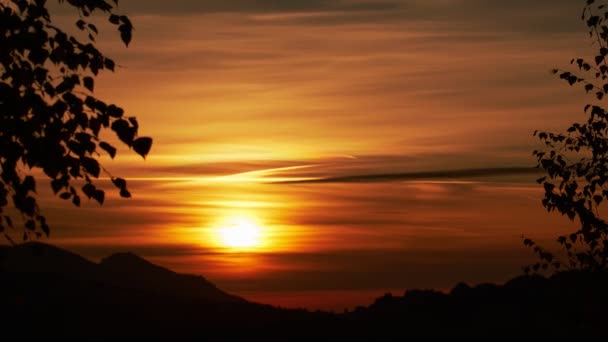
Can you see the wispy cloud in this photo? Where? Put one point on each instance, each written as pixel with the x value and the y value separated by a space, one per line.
pixel 538 16
pixel 443 80
pixel 255 6
pixel 427 175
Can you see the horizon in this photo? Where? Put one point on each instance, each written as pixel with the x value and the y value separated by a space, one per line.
pixel 331 149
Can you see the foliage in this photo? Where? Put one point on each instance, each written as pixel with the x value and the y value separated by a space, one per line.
pixel 49 117
pixel 576 161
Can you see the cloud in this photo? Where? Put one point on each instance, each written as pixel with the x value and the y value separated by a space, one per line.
pixel 425 83
pixel 251 6
pixel 542 15
pixel 413 7
pixel 350 270
pixel 426 175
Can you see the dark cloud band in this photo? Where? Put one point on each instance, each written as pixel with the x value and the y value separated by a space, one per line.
pixel 427 175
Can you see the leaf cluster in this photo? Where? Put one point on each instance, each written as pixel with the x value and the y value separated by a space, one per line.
pixel 50 118
pixel 575 162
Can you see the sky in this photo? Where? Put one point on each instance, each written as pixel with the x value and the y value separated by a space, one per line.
pixel 367 146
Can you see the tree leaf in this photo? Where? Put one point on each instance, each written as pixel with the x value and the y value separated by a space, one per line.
pixel 45 228
pixel 91 166
pixel 142 146
pixel 134 123
pixel 99 196
pixel 124 132
pixel 115 112
pixel 119 183
pixel 125 34
pixel 124 193
pixel 114 19
pixel 76 200
pixel 109 64
pixel 599 59
pixel 126 21
pixel 88 83
pixel 593 21
pixel 111 150
pixel 88 189
pixel 93 28
pixel 598 199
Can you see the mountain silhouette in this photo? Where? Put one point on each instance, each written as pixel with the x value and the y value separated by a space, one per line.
pixel 47 292
pixel 131 271
pixel 122 270
pixel 37 257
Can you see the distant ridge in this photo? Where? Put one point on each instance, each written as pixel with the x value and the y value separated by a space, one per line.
pixel 48 292
pixel 38 257
pixel 135 272
pixel 124 270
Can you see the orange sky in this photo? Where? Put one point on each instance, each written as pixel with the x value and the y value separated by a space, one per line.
pixel 313 89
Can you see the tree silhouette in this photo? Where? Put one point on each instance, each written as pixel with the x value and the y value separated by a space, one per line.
pixel 576 161
pixel 49 118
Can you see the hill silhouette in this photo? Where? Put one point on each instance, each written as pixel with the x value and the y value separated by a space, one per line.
pixel 47 291
pixel 121 270
pixel 129 270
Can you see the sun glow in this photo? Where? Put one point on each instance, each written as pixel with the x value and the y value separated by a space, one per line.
pixel 240 233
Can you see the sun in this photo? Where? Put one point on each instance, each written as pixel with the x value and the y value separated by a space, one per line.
pixel 240 233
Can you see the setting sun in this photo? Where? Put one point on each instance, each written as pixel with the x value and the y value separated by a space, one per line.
pixel 240 233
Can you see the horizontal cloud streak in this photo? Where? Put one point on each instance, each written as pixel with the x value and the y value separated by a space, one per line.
pixel 541 15
pixel 427 175
pixel 189 7
pixel 415 86
pixel 546 16
pixel 256 6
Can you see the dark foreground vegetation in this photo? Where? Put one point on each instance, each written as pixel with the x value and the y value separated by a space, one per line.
pixel 48 292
